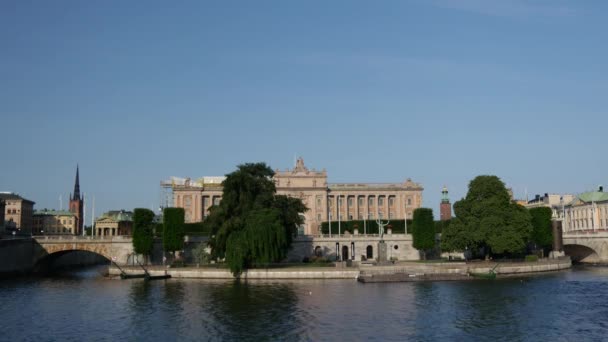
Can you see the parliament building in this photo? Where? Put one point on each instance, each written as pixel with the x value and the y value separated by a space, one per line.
pixel 325 201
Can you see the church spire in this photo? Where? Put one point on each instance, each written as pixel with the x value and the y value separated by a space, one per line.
pixel 77 186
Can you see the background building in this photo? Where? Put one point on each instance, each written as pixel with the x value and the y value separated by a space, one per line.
pixel 114 223
pixel 18 213
pixel 587 212
pixel 54 222
pixel 326 201
pixel 2 209
pixel 445 208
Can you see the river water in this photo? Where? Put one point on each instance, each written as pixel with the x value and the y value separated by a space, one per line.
pixel 84 306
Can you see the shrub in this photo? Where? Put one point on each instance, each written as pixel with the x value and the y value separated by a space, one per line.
pixel 173 229
pixel 531 258
pixel 200 254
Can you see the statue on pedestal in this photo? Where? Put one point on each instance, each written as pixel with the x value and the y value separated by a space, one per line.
pixel 381 226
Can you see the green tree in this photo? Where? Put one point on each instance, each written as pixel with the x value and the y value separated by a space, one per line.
pixel 252 224
pixel 143 226
pixel 487 218
pixel 173 229
pixel 542 232
pixel 423 230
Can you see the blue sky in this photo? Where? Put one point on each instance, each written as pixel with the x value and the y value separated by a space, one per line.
pixel 439 91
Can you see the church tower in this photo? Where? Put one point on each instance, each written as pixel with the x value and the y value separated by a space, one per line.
pixel 445 209
pixel 76 204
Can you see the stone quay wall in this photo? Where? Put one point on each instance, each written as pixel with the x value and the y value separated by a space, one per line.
pixel 342 272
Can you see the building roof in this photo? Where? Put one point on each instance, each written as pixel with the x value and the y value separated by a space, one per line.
pixel 13 196
pixel 51 212
pixel 593 196
pixel 118 215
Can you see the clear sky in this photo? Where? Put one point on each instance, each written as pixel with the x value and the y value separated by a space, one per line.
pixel 373 91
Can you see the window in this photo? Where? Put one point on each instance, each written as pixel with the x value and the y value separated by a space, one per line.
pixel 391 215
pixel 318 217
pixel 216 201
pixel 409 202
pixel 188 201
pixel 318 201
pixel 391 201
pixel 350 217
pixel 380 201
pixel 360 201
pixel 371 216
pixel 340 201
pixel 371 201
pixel 380 215
pixel 330 202
pixel 350 201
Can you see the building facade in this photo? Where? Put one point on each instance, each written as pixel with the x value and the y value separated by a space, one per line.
pixel 588 212
pixel 325 201
pixel 54 222
pixel 77 205
pixel 18 213
pixel 114 223
pixel 445 208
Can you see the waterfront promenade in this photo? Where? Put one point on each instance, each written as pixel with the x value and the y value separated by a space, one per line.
pixel 446 269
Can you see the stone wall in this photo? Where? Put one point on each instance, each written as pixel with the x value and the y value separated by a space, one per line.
pixel 16 256
pixel 399 247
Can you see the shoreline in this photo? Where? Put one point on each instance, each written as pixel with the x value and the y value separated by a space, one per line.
pixel 404 271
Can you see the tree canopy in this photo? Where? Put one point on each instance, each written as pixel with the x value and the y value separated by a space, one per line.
pixel 143 226
pixel 423 229
pixel 542 232
pixel 252 224
pixel 487 218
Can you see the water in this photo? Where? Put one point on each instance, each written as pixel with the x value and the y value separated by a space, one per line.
pixel 84 306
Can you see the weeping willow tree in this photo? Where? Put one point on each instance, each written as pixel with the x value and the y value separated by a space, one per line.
pixel 252 224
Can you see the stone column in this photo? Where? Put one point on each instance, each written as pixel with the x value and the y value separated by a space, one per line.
pixel 386 210
pixel 558 241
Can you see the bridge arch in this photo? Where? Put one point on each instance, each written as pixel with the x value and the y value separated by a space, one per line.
pixel 48 261
pixel 581 253
pixel 115 249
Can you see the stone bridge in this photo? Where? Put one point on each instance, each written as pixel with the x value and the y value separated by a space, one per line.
pixel 587 246
pixel 116 248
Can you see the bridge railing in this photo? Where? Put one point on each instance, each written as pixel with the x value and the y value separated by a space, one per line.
pixel 79 238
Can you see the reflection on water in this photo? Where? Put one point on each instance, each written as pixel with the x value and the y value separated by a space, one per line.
pixel 571 305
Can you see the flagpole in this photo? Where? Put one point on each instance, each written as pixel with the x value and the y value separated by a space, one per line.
pixel 93 218
pixel 405 214
pixel 84 213
pixel 329 207
pixel 339 215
